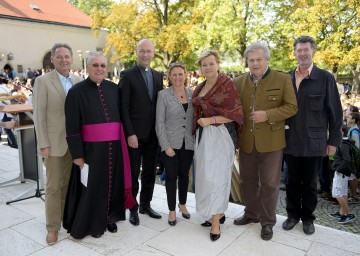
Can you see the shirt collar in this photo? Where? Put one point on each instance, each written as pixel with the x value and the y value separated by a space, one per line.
pixel 297 70
pixel 267 71
pixel 63 77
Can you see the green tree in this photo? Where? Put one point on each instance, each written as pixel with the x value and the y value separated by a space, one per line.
pixel 162 21
pixel 88 6
pixel 335 25
pixel 228 26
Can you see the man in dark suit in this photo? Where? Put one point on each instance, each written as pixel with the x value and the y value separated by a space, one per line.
pixel 139 87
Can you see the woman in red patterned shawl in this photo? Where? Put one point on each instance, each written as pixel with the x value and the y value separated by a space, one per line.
pixel 217 117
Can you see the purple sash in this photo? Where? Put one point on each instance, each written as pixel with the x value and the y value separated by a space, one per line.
pixel 108 132
pixel 101 132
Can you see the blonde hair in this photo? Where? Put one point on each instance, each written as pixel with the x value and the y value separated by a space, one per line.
pixel 207 53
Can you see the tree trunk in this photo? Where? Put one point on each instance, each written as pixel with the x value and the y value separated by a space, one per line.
pixel 356 80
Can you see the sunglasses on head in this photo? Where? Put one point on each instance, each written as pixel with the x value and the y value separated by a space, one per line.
pixel 177 64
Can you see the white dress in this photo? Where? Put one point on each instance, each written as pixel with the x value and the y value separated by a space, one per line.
pixel 214 159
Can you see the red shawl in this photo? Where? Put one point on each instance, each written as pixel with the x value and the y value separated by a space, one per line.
pixel 222 100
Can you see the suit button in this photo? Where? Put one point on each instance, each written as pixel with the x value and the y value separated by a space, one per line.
pixel 251 130
pixel 183 126
pixel 184 118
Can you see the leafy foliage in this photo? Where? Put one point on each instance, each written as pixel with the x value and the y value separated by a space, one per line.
pixel 181 29
pixel 88 6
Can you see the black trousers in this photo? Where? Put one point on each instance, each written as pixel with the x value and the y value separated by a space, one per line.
pixel 177 169
pixel 301 188
pixel 145 154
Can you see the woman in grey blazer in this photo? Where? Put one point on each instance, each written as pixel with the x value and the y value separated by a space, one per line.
pixel 174 120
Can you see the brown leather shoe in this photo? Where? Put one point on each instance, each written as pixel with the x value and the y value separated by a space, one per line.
pixel 243 220
pixel 52 237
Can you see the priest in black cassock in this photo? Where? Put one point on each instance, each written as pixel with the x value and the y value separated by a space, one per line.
pixel 100 183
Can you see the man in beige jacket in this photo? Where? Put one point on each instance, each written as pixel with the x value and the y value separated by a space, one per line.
pixel 268 99
pixel 49 117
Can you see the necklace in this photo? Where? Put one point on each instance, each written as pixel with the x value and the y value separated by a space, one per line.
pixel 181 95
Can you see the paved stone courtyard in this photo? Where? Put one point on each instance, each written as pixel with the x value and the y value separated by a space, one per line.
pixel 323 209
pixel 22 230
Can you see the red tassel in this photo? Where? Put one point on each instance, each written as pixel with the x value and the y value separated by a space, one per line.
pixel 129 199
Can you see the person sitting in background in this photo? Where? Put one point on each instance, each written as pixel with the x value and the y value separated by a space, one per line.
pixel 7 118
pixel 174 119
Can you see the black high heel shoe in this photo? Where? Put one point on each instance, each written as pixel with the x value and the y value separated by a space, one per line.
pixel 185 215
pixel 208 224
pixel 214 237
pixel 172 222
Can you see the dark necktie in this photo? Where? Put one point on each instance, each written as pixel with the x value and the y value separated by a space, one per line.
pixel 149 82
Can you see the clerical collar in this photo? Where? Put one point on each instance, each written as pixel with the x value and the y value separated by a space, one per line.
pixel 143 68
pixel 92 82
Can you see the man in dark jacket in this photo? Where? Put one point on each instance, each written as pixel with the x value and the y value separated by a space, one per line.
pixel 139 87
pixel 313 132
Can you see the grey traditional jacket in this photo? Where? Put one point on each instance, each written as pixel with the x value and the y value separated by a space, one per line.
pixel 173 124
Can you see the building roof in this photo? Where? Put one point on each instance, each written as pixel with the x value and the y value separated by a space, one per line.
pixel 45 11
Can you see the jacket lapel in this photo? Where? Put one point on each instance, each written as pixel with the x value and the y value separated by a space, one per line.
pixel 142 82
pixel 55 80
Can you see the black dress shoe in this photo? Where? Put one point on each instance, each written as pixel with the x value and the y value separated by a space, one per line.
pixel 150 212
pixel 308 227
pixel 96 235
pixel 112 228
pixel 214 237
pixel 266 232
pixel 134 218
pixel 289 223
pixel 243 220
pixel 208 223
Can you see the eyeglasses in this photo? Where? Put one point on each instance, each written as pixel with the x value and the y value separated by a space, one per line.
pixel 252 61
pixel 96 65
pixel 145 51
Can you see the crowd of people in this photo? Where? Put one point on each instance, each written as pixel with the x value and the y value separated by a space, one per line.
pixel 98 138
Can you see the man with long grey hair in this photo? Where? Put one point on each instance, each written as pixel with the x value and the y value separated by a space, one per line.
pixel 268 99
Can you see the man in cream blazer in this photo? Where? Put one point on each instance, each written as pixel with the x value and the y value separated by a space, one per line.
pixel 49 117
